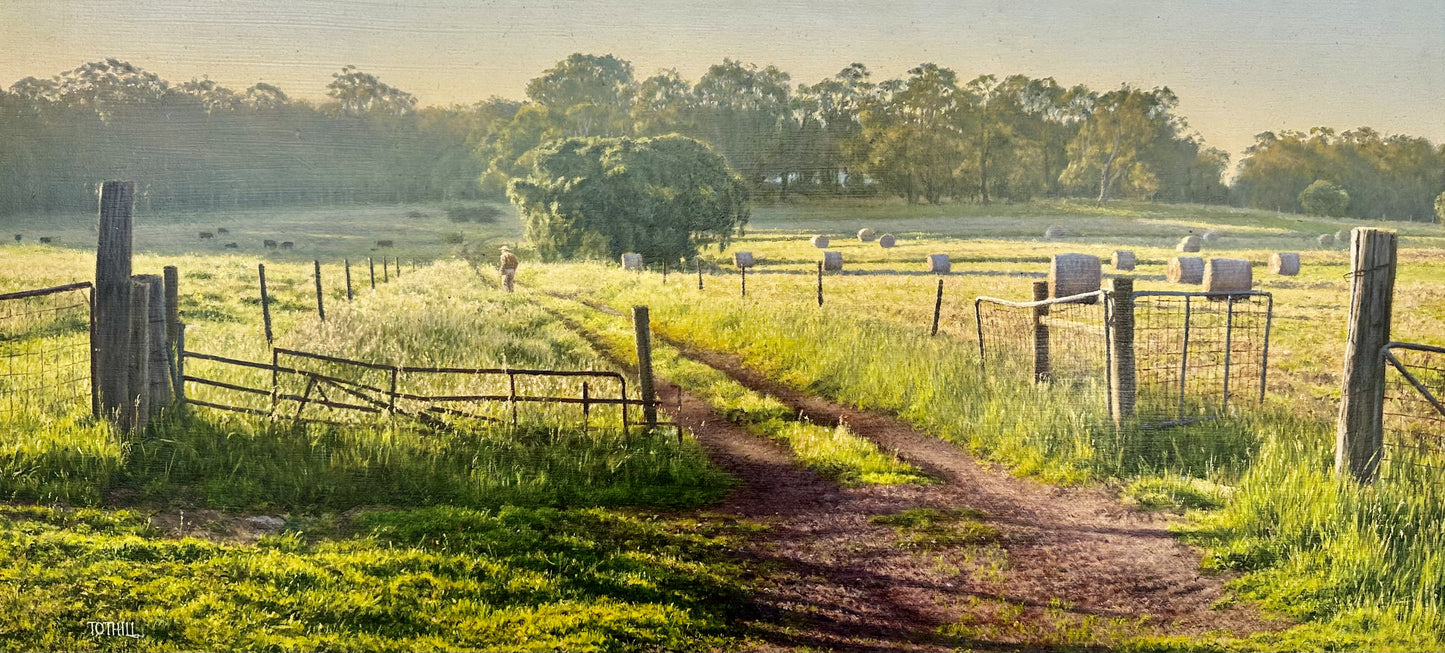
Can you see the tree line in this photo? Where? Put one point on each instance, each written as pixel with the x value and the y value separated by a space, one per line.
pixel 926 136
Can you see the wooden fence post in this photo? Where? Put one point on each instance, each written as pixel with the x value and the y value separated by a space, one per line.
pixel 820 283
pixel 1359 435
pixel 265 302
pixel 136 413
pixel 937 308
pixel 1041 333
pixel 743 280
pixel 643 328
pixel 397 260
pixel 1122 379
pixel 347 263
pixel 320 306
pixel 111 345
pixel 385 270
pixel 158 368
pixel 173 308
pixel 699 273
pixel 371 265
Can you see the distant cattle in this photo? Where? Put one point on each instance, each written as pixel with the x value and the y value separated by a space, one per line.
pixel 232 246
pixel 384 243
pixel 45 240
pixel 268 244
pixel 222 230
pixel 206 235
pixel 286 244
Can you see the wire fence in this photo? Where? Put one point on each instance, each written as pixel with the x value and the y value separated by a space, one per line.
pixel 45 362
pixel 1195 355
pixel 1199 354
pixel 1414 415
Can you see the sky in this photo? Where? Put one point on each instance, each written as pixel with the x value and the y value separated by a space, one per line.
pixel 1239 67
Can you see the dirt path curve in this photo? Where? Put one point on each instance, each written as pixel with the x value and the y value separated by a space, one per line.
pixel 1076 544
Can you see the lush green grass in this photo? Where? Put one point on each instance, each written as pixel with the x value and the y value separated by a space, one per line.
pixel 1358 565
pixel 834 452
pixel 524 579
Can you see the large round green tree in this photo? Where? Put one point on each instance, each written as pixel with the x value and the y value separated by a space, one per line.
pixel 662 197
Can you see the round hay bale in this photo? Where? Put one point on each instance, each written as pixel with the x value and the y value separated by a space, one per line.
pixel 1123 259
pixel 1284 263
pixel 632 261
pixel 1326 240
pixel 885 241
pixel 1210 236
pixel 1228 275
pixel 821 242
pixel 1190 243
pixel 743 259
pixel 1054 231
pixel 1185 269
pixel 939 263
pixel 1342 236
pixel 867 235
pixel 832 261
pixel 1074 274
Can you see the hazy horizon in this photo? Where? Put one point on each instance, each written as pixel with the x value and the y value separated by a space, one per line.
pixel 1239 68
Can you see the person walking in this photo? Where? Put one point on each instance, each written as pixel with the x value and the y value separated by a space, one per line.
pixel 509 267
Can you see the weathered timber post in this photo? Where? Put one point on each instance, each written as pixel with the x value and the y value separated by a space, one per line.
pixel 664 271
pixel 1122 380
pixel 820 283
pixel 158 369
pixel 111 344
pixel 135 415
pixel 173 306
pixel 181 366
pixel 320 305
pixel 1359 435
pixel 347 263
pixel 699 273
pixel 1041 333
pixel 371 265
pixel 385 270
pixel 937 308
pixel 265 302
pixel 643 328
pixel 397 260
pixel 743 280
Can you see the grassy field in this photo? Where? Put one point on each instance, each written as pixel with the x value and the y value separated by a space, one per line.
pixel 547 536
pixel 1358 566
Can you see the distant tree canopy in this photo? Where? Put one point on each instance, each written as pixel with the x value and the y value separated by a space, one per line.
pixel 662 197
pixel 201 146
pixel 1391 178
pixel 1325 198
pixel 927 136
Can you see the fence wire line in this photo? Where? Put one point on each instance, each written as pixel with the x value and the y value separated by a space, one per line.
pixel 1414 424
pixel 1198 355
pixel 45 353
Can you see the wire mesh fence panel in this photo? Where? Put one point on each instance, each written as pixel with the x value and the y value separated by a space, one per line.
pixel 1059 342
pixel 45 353
pixel 1414 420
pixel 1197 355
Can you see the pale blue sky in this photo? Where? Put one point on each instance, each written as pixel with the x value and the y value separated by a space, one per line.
pixel 1239 67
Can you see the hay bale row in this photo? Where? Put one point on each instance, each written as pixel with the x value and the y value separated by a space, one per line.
pixel 1190 243
pixel 939 264
pixel 866 235
pixel 631 261
pixel 1228 275
pixel 1185 269
pixel 1284 264
pixel 743 259
pixel 832 261
pixel 885 241
pixel 1123 260
pixel 1054 231
pixel 1074 274
pixel 1210 236
pixel 819 241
